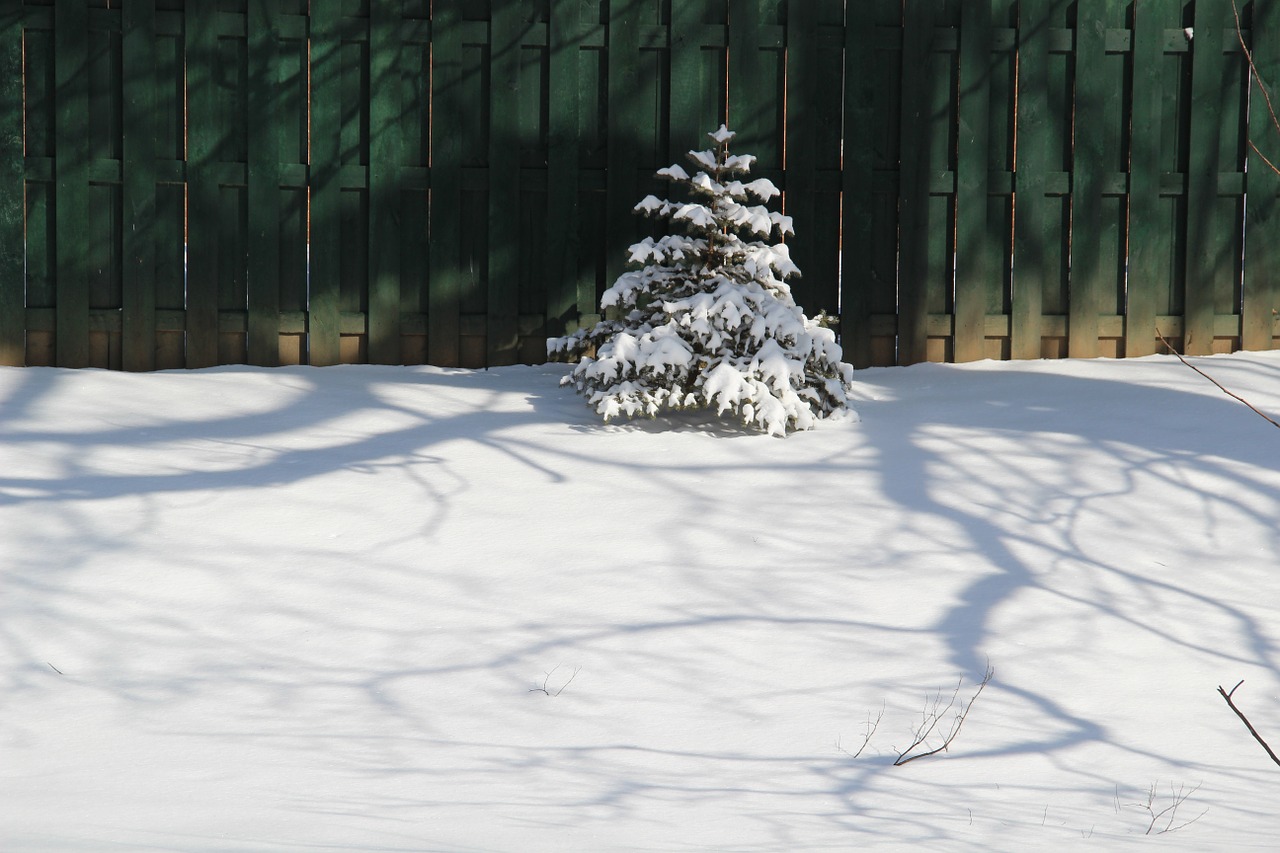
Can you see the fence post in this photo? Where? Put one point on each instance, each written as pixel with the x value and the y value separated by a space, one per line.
pixel 12 176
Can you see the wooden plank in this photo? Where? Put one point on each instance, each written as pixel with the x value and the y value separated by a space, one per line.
pixel 858 212
pixel 385 157
pixel 138 318
pixel 503 297
pixel 1204 259
pixel 324 293
pixel 71 172
pixel 1261 297
pixel 745 78
pixel 809 144
pixel 203 203
pixel 263 190
pixel 1150 240
pixel 624 130
pixel 689 116
pixel 13 348
pixel 1097 127
pixel 973 272
pixel 1032 228
pixel 570 288
pixel 231 156
pixel 446 279
pixel 914 181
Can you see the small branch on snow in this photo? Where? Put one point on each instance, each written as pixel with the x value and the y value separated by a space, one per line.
pixel 544 689
pixel 872 725
pixel 1226 695
pixel 931 716
pixel 1179 797
pixel 1223 388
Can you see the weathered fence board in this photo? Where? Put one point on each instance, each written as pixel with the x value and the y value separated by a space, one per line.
pixel 400 181
pixel 1261 289
pixel 12 175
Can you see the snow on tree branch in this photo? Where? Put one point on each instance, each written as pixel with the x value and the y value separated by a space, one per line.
pixel 705 318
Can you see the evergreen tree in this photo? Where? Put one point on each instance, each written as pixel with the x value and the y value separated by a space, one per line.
pixel 705 318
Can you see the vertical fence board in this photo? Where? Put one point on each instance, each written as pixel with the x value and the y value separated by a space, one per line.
pixel 1033 231
pixel 914 182
pixel 808 120
pixel 385 158
pixel 974 122
pixel 38 74
pixel 1204 250
pixel 71 177
pixel 861 60
pixel 1092 225
pixel 1261 297
pixel 138 321
pixel 352 88
pixel 624 123
pixel 694 105
pixel 203 208
pixel 570 290
pixel 504 185
pixel 445 285
pixel 12 178
pixel 324 292
pixel 1148 235
pixel 263 191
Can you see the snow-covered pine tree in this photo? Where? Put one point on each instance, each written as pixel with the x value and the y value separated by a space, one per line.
pixel 705 318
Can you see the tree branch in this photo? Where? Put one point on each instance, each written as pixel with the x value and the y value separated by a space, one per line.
pixel 1226 695
pixel 1223 388
pixel 934 715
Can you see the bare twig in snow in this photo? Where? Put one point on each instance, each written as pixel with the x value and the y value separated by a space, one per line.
pixel 1180 796
pixel 1221 387
pixel 548 691
pixel 933 714
pixel 1227 694
pixel 871 725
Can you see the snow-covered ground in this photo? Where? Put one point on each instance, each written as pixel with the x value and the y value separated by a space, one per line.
pixel 306 609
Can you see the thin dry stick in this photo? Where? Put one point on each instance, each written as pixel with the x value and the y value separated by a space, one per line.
pixel 1253 69
pixel 1262 86
pixel 1258 412
pixel 1248 725
pixel 1179 797
pixel 931 718
pixel 872 725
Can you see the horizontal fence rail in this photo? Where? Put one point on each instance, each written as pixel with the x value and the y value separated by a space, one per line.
pixel 451 181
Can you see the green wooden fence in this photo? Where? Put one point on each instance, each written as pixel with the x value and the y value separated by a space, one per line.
pixel 450 181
